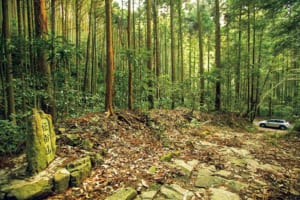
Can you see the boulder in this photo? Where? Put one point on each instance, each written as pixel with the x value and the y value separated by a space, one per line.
pixel 79 170
pixel 61 180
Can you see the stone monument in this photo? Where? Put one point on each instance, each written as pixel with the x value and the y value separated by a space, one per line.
pixel 41 142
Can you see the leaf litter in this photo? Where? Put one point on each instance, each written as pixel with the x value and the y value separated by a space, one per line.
pixel 132 144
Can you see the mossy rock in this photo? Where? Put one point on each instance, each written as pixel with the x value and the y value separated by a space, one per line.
pixel 79 169
pixel 169 155
pixel 32 189
pixel 87 144
pixel 97 159
pixel 61 180
pixel 41 142
pixel 123 194
pixel 152 170
pixel 73 139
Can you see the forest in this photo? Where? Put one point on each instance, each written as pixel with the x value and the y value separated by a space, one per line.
pixel 236 56
pixel 160 75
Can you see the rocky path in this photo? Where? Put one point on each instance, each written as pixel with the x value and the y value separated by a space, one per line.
pixel 181 155
pixel 162 154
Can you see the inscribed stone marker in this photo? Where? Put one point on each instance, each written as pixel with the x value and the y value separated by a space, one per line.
pixel 41 142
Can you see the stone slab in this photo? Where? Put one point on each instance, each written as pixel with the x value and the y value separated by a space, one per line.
pixel 61 180
pixel 79 170
pixel 40 143
pixel 123 194
pixel 28 189
pixel 221 194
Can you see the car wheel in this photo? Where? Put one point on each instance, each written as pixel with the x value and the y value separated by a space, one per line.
pixel 282 127
pixel 262 125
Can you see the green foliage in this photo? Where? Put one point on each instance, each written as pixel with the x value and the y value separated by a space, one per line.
pixel 11 138
pixel 282 111
pixel 295 132
pixel 297 126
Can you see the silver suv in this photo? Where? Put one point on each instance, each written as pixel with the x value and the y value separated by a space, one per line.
pixel 275 123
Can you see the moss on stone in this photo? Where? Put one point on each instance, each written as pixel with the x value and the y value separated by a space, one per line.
pixel 61 180
pixel 87 144
pixel 152 170
pixel 40 143
pixel 123 194
pixel 79 170
pixel 97 159
pixel 167 157
pixel 73 139
pixel 35 189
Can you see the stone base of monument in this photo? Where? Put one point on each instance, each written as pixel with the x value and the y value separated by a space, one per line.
pixel 57 177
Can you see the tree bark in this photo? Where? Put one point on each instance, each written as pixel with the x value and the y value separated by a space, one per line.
pixel 109 60
pixel 87 72
pixel 218 56
pixel 173 76
pixel 201 65
pixel 77 42
pixel 157 48
pixel 181 61
pixel 130 90
pixel 41 31
pixel 6 34
pixel 149 60
pixel 238 64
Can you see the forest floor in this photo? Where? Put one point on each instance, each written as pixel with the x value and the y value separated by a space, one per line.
pixel 141 151
pixel 199 153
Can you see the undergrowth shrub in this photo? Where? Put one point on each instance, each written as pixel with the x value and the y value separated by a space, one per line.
pixel 296 129
pixel 11 138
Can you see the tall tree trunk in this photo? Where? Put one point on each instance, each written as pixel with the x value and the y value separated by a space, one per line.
pixel 257 95
pixel 53 32
pixel 157 48
pixel 201 65
pixel 149 60
pixel 87 71
pixel 130 90
pixel 253 69
pixel 173 76
pixel 77 42
pixel 208 60
pixel 238 64
pixel 21 49
pixel 218 56
pixel 41 31
pixel 30 31
pixel 181 40
pixel 20 21
pixel 248 58
pixel 94 56
pixel 6 34
pixel 109 60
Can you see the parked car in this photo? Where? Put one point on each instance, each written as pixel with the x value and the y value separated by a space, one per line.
pixel 275 123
